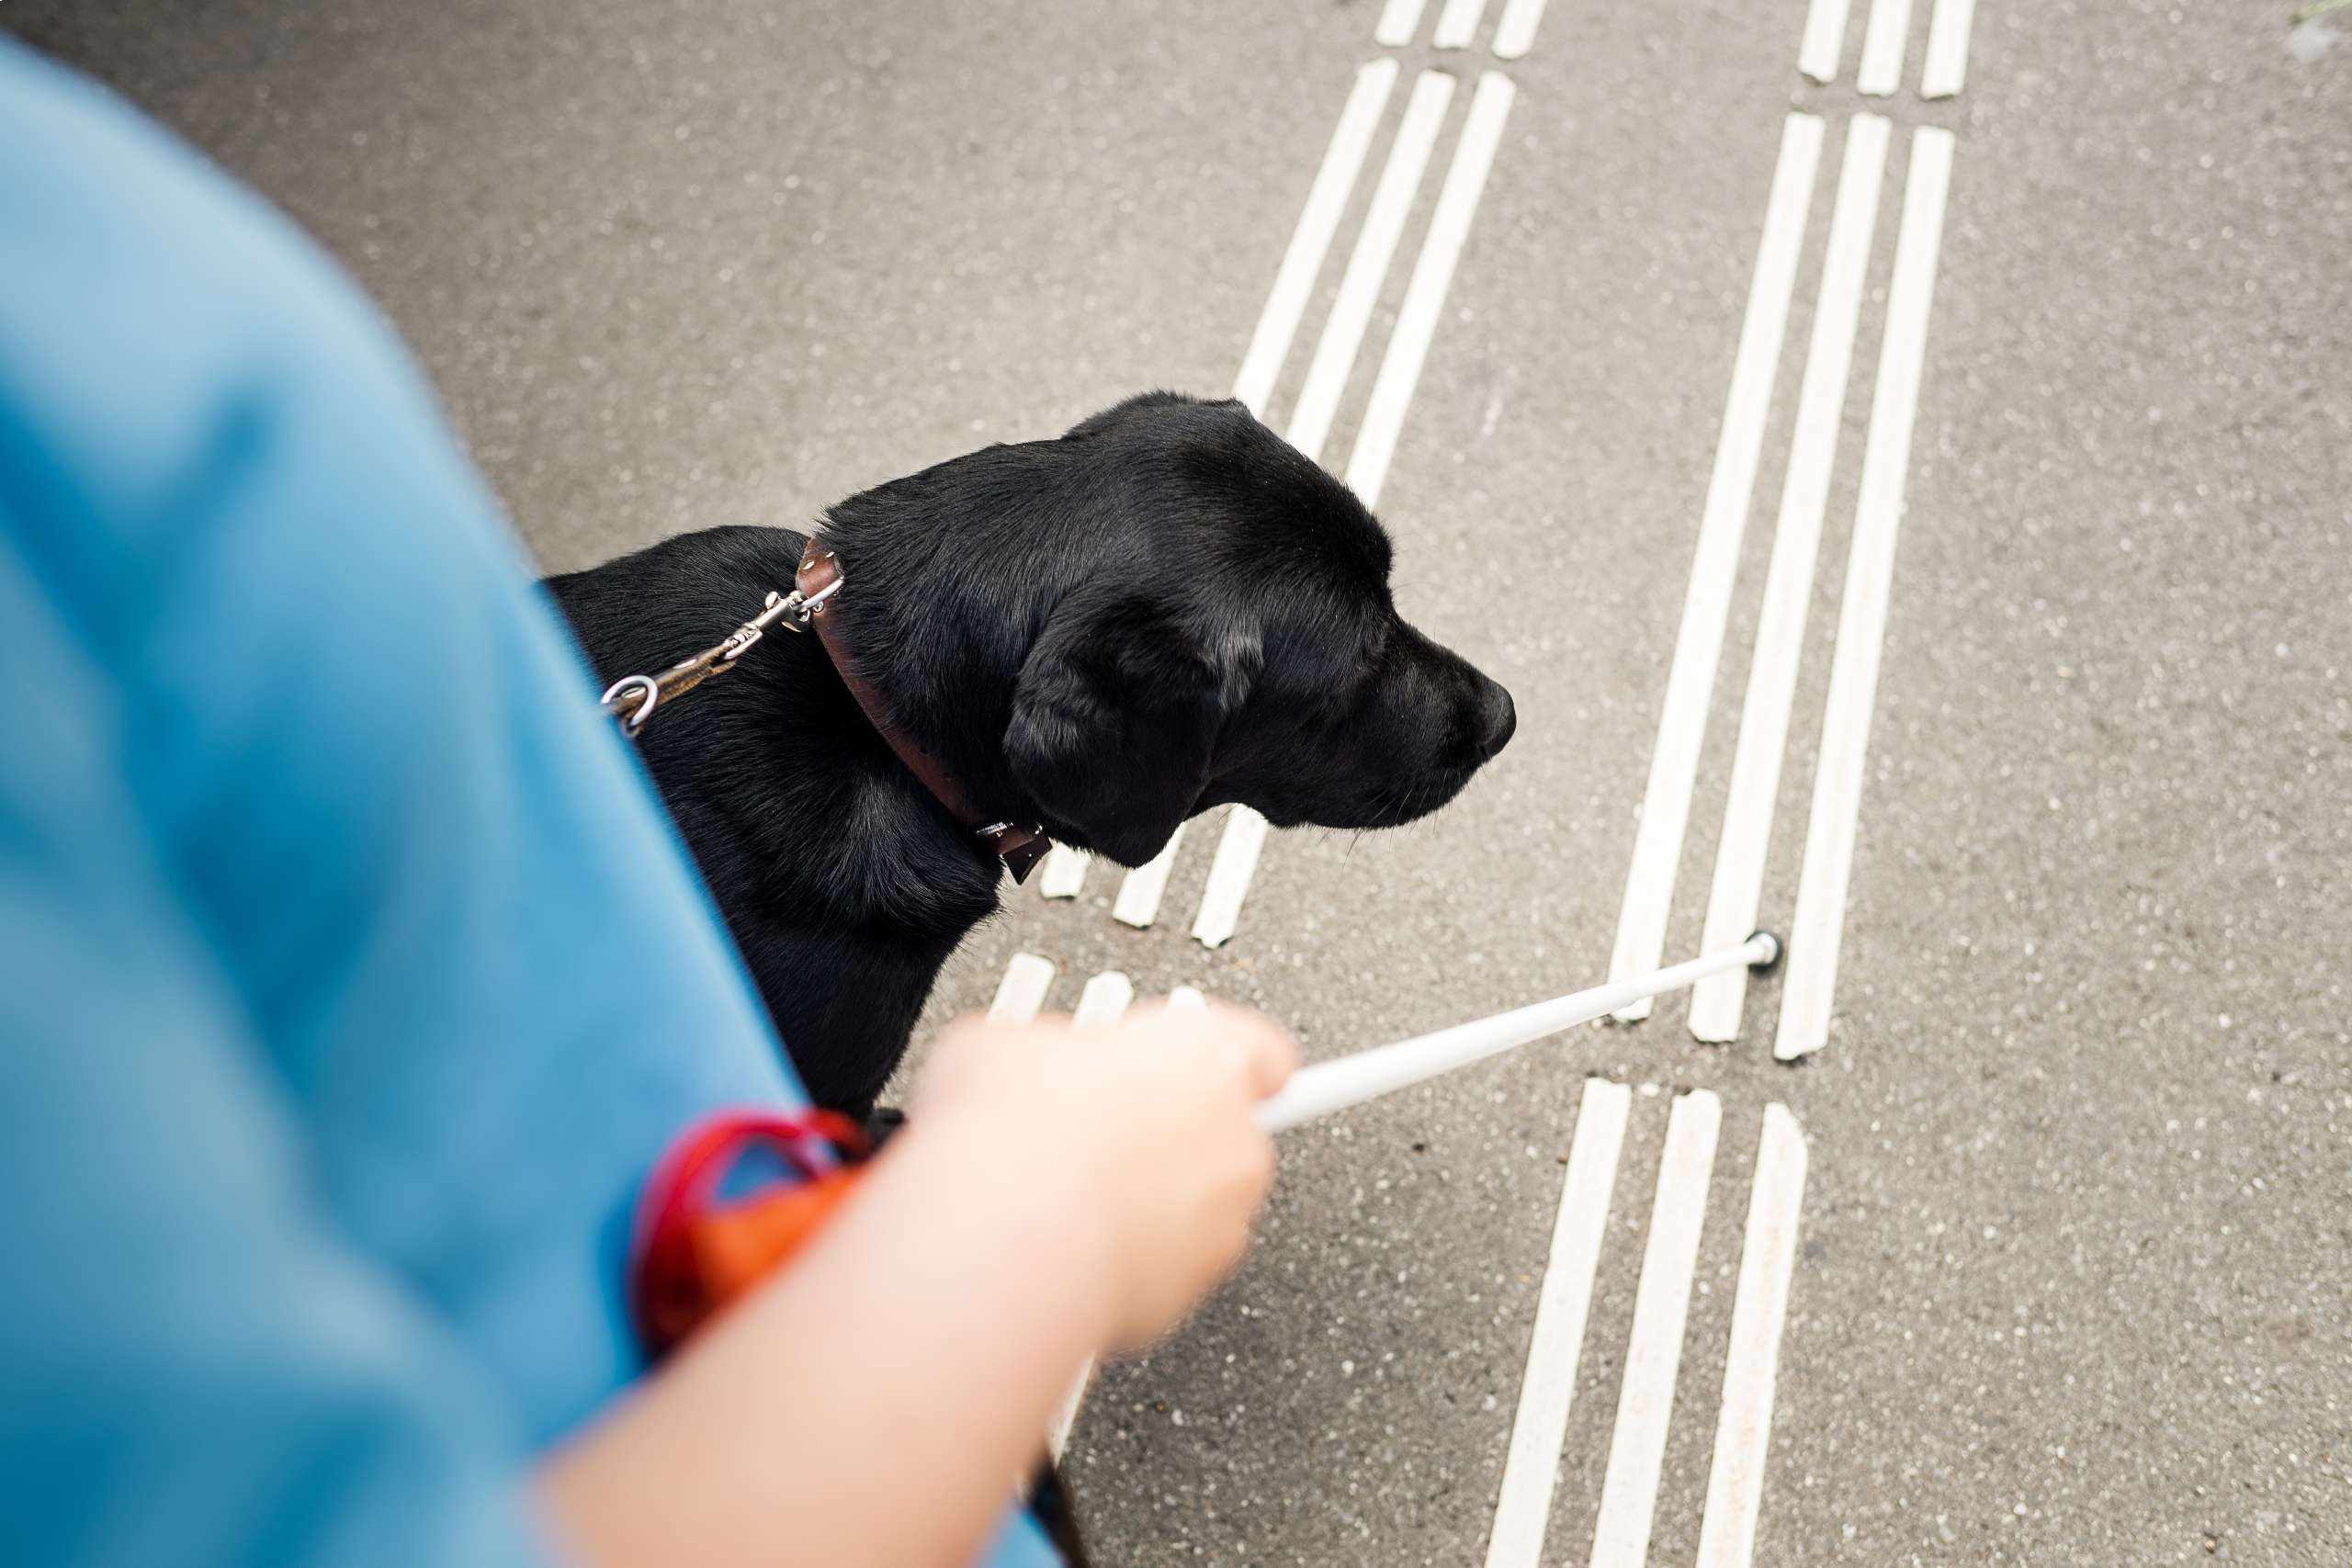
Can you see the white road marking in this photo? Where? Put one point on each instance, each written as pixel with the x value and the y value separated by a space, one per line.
pixel 1064 873
pixel 1327 200
pixel 1140 890
pixel 1230 874
pixel 1515 34
pixel 1689 684
pixel 1947 69
pixel 1187 998
pixel 1654 1354
pixel 1549 1382
pixel 1245 831
pixel 1457 24
pixel 1022 992
pixel 1392 392
pixel 1408 346
pixel 1400 20
pixel 1819 926
pixel 1717 1002
pixel 1824 39
pixel 1384 224
pixel 1880 72
pixel 1104 1000
pixel 1743 1429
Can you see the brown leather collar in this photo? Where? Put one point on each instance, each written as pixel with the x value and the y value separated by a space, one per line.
pixel 1020 845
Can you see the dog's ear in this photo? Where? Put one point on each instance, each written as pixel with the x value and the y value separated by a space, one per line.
pixel 1115 717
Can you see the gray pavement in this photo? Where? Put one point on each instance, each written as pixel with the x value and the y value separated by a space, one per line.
pixel 2074 1281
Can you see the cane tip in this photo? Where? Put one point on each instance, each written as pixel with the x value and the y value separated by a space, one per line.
pixel 1775 950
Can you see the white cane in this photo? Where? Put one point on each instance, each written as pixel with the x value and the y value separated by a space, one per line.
pixel 1325 1087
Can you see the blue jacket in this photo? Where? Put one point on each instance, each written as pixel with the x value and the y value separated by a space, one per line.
pixel 350 977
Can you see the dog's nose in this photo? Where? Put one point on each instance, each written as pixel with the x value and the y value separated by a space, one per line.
pixel 1496 718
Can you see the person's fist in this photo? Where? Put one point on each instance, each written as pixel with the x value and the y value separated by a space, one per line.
pixel 1147 1124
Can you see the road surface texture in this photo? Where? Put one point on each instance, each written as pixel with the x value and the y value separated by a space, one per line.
pixel 2070 1175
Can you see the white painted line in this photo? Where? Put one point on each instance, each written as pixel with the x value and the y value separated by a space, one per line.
pixel 1392 393
pixel 1515 34
pixel 1104 1000
pixel 1718 1000
pixel 1400 20
pixel 1689 684
pixel 1457 24
pixel 1384 224
pixel 1824 39
pixel 1820 922
pixel 1140 890
pixel 1426 292
pixel 1947 69
pixel 1187 998
pixel 1549 1382
pixel 1023 990
pixel 1890 32
pixel 1327 200
pixel 1766 1262
pixel 1654 1355
pixel 1064 873
pixel 1457 204
pixel 1229 873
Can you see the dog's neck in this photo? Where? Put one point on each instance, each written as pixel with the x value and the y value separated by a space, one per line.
pixel 818 584
pixel 858 828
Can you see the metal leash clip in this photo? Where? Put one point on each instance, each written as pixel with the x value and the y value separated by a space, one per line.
pixel 632 699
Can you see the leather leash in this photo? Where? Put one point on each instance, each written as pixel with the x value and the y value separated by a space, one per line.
pixel 816 587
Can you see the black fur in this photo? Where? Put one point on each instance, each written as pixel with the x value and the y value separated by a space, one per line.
pixel 1168 609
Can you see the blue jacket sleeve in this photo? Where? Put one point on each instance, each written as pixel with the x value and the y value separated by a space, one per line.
pixel 194 1369
pixel 349 978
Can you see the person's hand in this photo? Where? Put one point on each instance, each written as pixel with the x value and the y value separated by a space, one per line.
pixel 1143 1132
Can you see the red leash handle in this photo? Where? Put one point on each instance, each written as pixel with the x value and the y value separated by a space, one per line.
pixel 692 1252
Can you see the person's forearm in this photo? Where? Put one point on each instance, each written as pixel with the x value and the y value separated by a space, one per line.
pixel 877 1402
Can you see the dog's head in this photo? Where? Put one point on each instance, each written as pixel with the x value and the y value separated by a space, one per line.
pixel 1169 608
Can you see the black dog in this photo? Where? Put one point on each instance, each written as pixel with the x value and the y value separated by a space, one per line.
pixel 1166 609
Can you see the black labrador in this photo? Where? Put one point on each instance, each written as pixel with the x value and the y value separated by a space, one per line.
pixel 1166 609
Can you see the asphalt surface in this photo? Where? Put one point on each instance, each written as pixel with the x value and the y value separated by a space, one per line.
pixel 2074 1282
